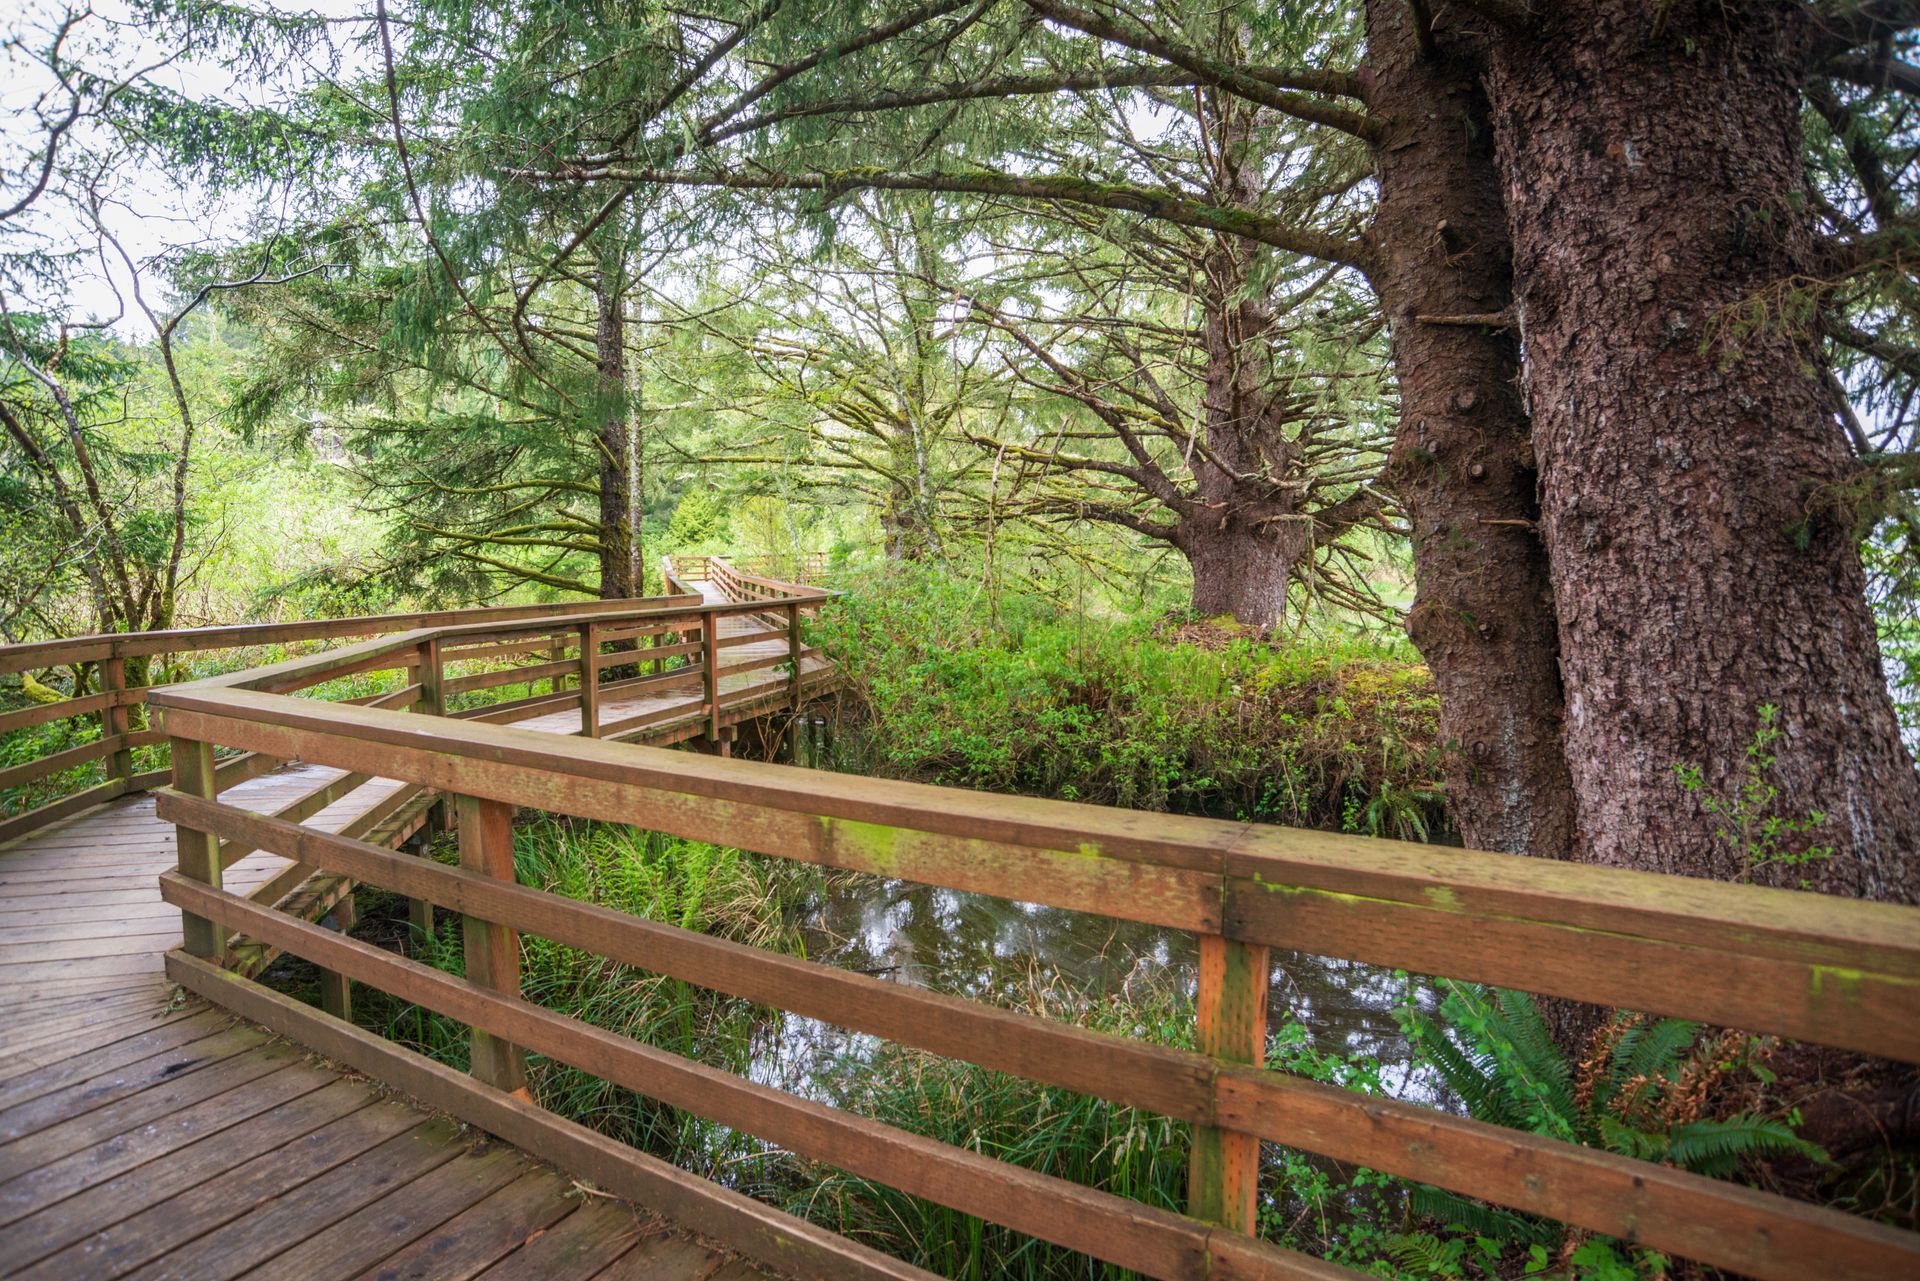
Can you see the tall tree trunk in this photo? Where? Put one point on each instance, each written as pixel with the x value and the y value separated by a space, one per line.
pixel 1244 529
pixel 620 565
pixel 1240 571
pixel 901 535
pixel 1461 465
pixel 1655 187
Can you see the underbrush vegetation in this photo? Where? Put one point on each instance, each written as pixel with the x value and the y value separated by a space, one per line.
pixel 1330 729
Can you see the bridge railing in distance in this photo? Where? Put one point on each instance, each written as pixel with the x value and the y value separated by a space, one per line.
pixel 785 569
pixel 102 658
pixel 1830 971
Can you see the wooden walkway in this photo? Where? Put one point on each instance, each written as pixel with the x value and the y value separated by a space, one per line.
pixel 688 723
pixel 146 1136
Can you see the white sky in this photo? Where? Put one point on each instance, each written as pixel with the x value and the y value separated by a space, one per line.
pixel 153 211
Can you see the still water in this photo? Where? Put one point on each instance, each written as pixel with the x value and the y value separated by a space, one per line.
pixel 1006 953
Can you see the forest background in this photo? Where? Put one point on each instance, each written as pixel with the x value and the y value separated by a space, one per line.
pixel 1490 421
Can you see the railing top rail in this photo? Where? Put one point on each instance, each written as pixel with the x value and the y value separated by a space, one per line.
pixel 1840 972
pixel 98 646
pixel 758 580
pixel 254 678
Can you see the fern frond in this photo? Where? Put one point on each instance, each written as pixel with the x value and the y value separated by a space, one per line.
pixel 1618 1136
pixel 1718 1147
pixel 1424 1255
pixel 1540 1057
pixel 1466 1214
pixel 1658 1053
pixel 1475 1080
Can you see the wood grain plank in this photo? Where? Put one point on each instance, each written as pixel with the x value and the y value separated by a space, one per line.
pixel 580 1246
pixel 155 1104
pixel 407 1213
pixel 256 1232
pixel 479 1236
pixel 790 1245
pixel 105 1057
pixel 155 1139
pixel 248 1186
pixel 94 1092
pixel 87 1215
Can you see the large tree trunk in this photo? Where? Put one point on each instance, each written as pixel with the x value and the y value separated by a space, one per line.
pixel 1461 466
pixel 1655 187
pixel 620 555
pixel 1244 529
pixel 1240 571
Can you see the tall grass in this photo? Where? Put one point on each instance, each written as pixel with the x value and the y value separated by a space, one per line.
pixel 1088 1141
pixel 684 883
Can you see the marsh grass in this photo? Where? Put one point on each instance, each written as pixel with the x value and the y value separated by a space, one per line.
pixel 765 902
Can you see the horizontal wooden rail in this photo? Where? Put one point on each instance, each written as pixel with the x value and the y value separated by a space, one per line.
pixel 67 709
pixel 35 655
pixel 1108 1227
pixel 1838 972
pixel 1842 973
pixel 1715 1222
pixel 468 640
pixel 791 1246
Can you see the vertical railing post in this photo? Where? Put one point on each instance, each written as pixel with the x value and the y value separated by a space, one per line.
pixel 433 702
pixel 710 671
pixel 114 719
pixel 793 649
pixel 197 853
pixel 1223 1179
pixel 336 990
pixel 590 680
pixel 433 694
pixel 419 910
pixel 492 951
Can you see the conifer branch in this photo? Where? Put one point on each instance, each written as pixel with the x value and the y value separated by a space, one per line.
pixel 1228 220
pixel 1227 76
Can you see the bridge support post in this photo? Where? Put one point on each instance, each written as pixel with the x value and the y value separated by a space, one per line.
pixel 793 652
pixel 589 680
pixel 336 990
pixel 433 702
pixel 492 951
pixel 114 721
pixel 1223 1180
pixel 197 853
pixel 710 672
pixel 419 910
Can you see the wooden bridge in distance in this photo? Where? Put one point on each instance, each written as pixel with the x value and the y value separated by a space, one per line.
pixel 164 1115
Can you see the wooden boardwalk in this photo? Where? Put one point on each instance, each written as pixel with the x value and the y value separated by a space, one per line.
pixel 147 1136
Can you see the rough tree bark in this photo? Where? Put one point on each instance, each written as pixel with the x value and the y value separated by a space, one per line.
pixel 1654 191
pixel 1240 571
pixel 620 554
pixel 1462 467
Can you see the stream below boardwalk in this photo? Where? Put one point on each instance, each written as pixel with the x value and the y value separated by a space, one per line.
pixel 1024 956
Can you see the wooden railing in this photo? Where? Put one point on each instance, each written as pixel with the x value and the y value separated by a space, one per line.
pixel 802 569
pixel 102 660
pixel 1835 972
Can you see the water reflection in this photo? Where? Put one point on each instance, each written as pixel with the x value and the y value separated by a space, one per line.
pixel 1008 953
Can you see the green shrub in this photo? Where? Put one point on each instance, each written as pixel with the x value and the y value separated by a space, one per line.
pixel 1335 730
